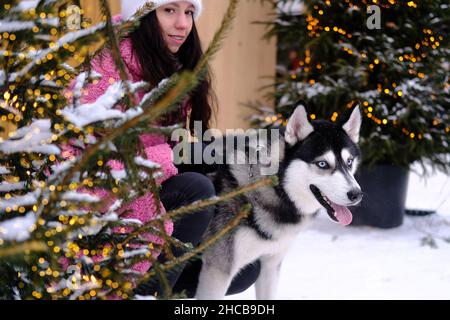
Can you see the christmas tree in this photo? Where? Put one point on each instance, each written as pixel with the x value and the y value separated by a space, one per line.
pixel 58 238
pixel 391 57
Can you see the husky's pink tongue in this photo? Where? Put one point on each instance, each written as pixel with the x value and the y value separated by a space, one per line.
pixel 343 215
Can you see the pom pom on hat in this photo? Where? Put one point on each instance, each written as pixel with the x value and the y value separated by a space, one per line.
pixel 129 7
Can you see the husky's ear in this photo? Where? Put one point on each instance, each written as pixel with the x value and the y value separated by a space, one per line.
pixel 298 126
pixel 353 125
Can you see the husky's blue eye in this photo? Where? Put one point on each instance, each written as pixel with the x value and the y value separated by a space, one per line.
pixel 323 164
pixel 350 162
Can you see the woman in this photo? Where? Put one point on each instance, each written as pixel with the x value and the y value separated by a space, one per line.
pixel 167 42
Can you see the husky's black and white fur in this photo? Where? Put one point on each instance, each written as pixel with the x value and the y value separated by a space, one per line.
pixel 317 162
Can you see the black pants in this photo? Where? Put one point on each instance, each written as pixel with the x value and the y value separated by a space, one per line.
pixel 178 191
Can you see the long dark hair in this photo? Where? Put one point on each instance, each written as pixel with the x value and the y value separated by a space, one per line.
pixel 158 63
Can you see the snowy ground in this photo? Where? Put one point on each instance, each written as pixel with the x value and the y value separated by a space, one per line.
pixel 329 261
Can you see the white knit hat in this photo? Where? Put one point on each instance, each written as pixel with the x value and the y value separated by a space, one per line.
pixel 129 7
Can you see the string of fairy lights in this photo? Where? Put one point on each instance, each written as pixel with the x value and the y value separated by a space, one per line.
pixel 60 77
pixel 316 28
pixel 15 107
pixel 15 101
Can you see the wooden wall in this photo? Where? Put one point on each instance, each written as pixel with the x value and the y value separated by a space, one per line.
pixel 243 61
pixel 241 64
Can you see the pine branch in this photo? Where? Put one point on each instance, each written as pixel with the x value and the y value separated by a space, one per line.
pixel 35 246
pixel 204 203
pixel 115 51
pixel 173 262
pixel 167 289
pixel 184 83
pixel 245 211
pixel 64 238
pixel 58 49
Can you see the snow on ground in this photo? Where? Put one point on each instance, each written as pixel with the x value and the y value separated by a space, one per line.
pixel 329 261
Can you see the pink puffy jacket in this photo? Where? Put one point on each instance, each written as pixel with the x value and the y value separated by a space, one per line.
pixel 156 147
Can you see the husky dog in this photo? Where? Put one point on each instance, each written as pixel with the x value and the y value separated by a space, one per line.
pixel 317 161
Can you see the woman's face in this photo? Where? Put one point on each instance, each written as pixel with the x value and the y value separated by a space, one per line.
pixel 175 20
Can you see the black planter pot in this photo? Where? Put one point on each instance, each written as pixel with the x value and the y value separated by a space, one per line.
pixel 384 189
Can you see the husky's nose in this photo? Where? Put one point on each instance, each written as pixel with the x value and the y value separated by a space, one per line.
pixel 354 195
